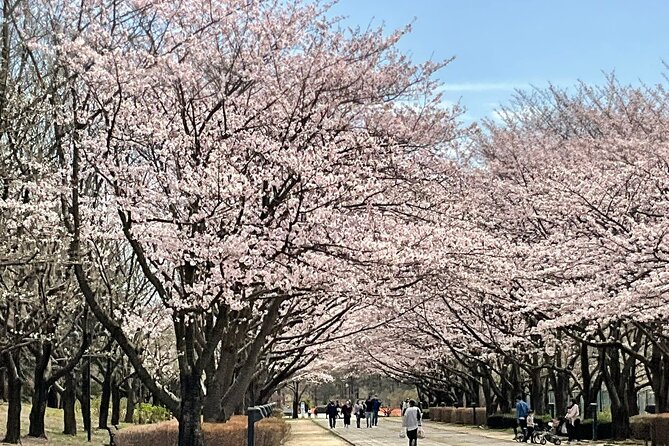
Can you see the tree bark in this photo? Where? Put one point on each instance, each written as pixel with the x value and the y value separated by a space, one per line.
pixel 69 398
pixel 616 383
pixel 130 402
pixel 116 403
pixel 39 399
pixel 3 382
pixel 106 396
pixel 657 370
pixel 221 379
pixel 53 399
pixel 85 392
pixel 190 428
pixel 13 434
pixel 296 395
pixel 235 393
pixel 537 391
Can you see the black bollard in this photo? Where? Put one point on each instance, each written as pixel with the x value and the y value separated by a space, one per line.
pixel 593 407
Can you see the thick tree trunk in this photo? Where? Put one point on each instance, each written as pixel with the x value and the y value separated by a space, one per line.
pixel 537 392
pixel 296 396
pixel 586 378
pixel 38 411
pixel 190 428
pixel 69 398
pixel 489 399
pixel 53 398
pixel 130 402
pixel 3 382
pixel 234 395
pixel 662 390
pixel 13 434
pixel 620 417
pixel 39 399
pixel 116 403
pixel 85 392
pixel 658 375
pixel 616 382
pixel 631 397
pixel 219 378
pixel 105 397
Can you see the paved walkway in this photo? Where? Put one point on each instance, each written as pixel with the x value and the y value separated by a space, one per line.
pixel 436 434
pixel 310 432
pixel 305 432
pixel 387 434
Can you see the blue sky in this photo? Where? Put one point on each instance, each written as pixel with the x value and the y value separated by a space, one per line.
pixel 500 45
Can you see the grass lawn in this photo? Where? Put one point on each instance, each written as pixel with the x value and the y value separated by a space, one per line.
pixel 54 429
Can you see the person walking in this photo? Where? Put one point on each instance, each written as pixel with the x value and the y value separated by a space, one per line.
pixel 369 410
pixel 331 412
pixel 412 422
pixel 346 411
pixel 405 405
pixel 530 425
pixel 359 411
pixel 573 418
pixel 376 406
pixel 522 409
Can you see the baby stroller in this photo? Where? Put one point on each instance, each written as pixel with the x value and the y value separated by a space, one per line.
pixel 547 434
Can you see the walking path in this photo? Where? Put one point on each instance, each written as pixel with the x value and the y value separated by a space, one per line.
pixel 387 434
pixel 436 434
pixel 307 433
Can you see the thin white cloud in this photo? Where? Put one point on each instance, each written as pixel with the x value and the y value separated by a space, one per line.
pixel 484 86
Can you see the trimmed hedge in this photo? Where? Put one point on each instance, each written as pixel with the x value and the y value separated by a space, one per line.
pixel 502 421
pixel 660 429
pixel 436 413
pixel 640 425
pixel 651 427
pixel 461 415
pixel 584 430
pixel 269 432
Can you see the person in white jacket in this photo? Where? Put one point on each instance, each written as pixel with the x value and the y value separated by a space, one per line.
pixel 573 418
pixel 412 421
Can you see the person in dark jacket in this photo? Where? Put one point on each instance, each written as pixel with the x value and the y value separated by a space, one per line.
pixel 376 406
pixel 331 412
pixel 346 411
pixel 369 411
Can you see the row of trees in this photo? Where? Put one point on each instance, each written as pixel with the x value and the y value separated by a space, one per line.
pixel 564 287
pixel 209 195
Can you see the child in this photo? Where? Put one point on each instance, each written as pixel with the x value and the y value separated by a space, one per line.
pixel 530 425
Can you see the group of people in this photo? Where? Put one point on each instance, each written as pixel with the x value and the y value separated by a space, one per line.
pixel 368 409
pixel 525 418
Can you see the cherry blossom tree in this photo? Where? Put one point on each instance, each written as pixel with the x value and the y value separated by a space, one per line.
pixel 256 160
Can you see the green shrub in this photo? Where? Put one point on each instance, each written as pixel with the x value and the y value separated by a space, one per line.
pixel 146 413
pixel 604 416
